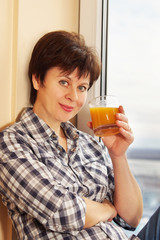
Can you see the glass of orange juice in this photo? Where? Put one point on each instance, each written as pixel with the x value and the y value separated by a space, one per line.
pixel 103 110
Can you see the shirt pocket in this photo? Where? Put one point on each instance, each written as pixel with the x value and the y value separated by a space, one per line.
pixel 60 172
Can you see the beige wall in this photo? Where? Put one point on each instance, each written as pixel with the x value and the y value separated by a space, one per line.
pixel 5 60
pixel 21 24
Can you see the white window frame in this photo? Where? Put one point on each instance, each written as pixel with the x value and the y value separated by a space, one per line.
pixel 93 26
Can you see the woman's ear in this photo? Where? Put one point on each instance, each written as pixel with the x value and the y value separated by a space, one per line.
pixel 35 81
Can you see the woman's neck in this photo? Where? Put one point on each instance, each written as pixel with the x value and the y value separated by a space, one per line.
pixel 55 125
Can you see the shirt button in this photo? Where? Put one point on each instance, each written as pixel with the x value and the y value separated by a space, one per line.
pixel 54 135
pixel 75 136
pixel 59 148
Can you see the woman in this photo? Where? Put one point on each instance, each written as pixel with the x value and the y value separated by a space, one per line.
pixel 55 180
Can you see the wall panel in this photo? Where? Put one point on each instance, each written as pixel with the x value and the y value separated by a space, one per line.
pixel 21 24
pixel 35 19
pixel 6 14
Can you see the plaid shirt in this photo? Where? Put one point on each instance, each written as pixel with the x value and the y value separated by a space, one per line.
pixel 42 185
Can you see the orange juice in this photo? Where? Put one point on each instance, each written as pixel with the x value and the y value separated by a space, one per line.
pixel 103 121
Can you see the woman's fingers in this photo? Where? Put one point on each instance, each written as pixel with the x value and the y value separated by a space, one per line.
pixel 89 124
pixel 124 127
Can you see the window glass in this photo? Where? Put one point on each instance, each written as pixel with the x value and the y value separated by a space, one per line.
pixel 134 76
pixel 134 66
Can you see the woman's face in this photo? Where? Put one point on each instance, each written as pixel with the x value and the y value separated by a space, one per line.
pixel 61 96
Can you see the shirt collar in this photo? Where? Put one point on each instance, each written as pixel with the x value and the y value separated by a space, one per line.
pixel 70 130
pixel 40 130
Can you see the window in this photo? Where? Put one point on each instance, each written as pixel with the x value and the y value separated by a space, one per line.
pixel 131 32
pixel 133 65
pixel 134 76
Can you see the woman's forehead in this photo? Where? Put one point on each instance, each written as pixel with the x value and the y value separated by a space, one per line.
pixel 76 73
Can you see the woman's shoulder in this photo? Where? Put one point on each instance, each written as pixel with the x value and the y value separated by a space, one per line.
pixel 91 142
pixel 13 130
pixel 10 133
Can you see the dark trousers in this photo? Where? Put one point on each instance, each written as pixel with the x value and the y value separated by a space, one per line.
pixel 151 231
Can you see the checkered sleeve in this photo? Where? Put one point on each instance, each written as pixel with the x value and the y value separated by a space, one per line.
pixel 28 184
pixel 121 222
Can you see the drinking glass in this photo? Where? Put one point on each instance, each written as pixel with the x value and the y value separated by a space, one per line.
pixel 103 110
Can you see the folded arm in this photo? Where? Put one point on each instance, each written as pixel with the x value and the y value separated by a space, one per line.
pixel 98 212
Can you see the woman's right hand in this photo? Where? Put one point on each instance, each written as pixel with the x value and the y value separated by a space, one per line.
pixel 110 211
pixel 98 212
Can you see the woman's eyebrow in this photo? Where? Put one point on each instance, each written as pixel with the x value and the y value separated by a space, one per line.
pixel 62 74
pixel 85 83
pixel 66 75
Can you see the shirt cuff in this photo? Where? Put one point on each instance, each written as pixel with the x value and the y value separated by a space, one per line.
pixel 70 217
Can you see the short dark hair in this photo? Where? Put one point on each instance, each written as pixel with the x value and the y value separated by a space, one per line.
pixel 65 50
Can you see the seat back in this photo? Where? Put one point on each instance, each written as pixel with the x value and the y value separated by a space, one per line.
pixel 5 223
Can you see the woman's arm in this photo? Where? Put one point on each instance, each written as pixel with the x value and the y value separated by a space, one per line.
pixel 28 183
pixel 127 196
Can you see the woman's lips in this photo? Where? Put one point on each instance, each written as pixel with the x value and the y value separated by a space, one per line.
pixel 66 108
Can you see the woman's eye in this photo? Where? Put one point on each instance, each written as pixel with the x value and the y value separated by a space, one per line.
pixel 63 83
pixel 82 88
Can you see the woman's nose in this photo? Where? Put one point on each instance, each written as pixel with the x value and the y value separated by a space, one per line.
pixel 72 95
